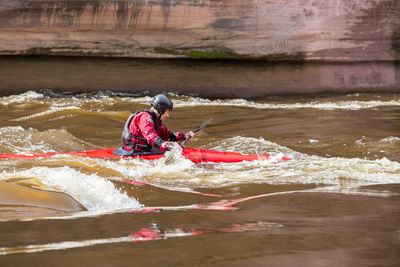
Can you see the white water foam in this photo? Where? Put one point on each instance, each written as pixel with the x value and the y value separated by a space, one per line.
pixel 91 103
pixel 93 192
pixel 12 140
pixel 21 98
pixel 249 145
pixel 189 101
pixel 53 109
pixel 16 139
pixel 390 140
pixel 181 173
pixel 347 172
pixel 174 171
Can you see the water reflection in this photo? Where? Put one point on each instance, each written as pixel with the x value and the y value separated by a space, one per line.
pixel 362 75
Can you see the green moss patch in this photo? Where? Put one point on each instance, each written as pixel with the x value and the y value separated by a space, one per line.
pixel 196 53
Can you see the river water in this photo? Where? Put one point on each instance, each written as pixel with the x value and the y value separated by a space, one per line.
pixel 335 203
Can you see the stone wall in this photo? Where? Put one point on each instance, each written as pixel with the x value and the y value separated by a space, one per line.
pixel 301 30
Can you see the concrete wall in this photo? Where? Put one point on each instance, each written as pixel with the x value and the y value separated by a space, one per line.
pixel 314 30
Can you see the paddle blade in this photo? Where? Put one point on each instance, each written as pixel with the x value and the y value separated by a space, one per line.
pixel 204 125
pixel 197 130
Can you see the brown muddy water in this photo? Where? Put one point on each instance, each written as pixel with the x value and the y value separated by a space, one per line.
pixel 336 203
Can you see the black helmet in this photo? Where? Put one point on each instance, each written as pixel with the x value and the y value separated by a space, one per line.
pixel 161 103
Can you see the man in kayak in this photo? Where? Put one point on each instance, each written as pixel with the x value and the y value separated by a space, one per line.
pixel 144 132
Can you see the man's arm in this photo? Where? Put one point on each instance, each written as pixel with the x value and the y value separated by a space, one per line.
pixel 146 125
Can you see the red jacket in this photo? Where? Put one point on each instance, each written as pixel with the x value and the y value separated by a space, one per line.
pixel 146 131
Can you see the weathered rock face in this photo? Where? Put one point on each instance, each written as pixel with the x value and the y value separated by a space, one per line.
pixel 330 30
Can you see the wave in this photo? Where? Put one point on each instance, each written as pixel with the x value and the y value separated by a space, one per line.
pixel 50 111
pixel 92 191
pixel 90 181
pixel 102 100
pixel 390 140
pixel 303 169
pixel 16 139
pixel 176 171
pixel 321 105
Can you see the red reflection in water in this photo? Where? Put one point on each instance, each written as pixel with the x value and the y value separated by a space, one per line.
pixel 153 233
pixel 133 182
pixel 146 234
pixel 146 210
pixel 224 204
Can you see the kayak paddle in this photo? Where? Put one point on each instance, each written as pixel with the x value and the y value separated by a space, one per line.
pixel 197 130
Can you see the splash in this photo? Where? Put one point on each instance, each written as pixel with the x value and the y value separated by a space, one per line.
pixel 93 192
pixel 178 173
pixel 303 169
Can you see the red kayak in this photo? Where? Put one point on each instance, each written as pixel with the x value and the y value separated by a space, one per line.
pixel 197 155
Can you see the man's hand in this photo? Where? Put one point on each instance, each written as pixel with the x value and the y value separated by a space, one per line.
pixel 189 134
pixel 166 146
